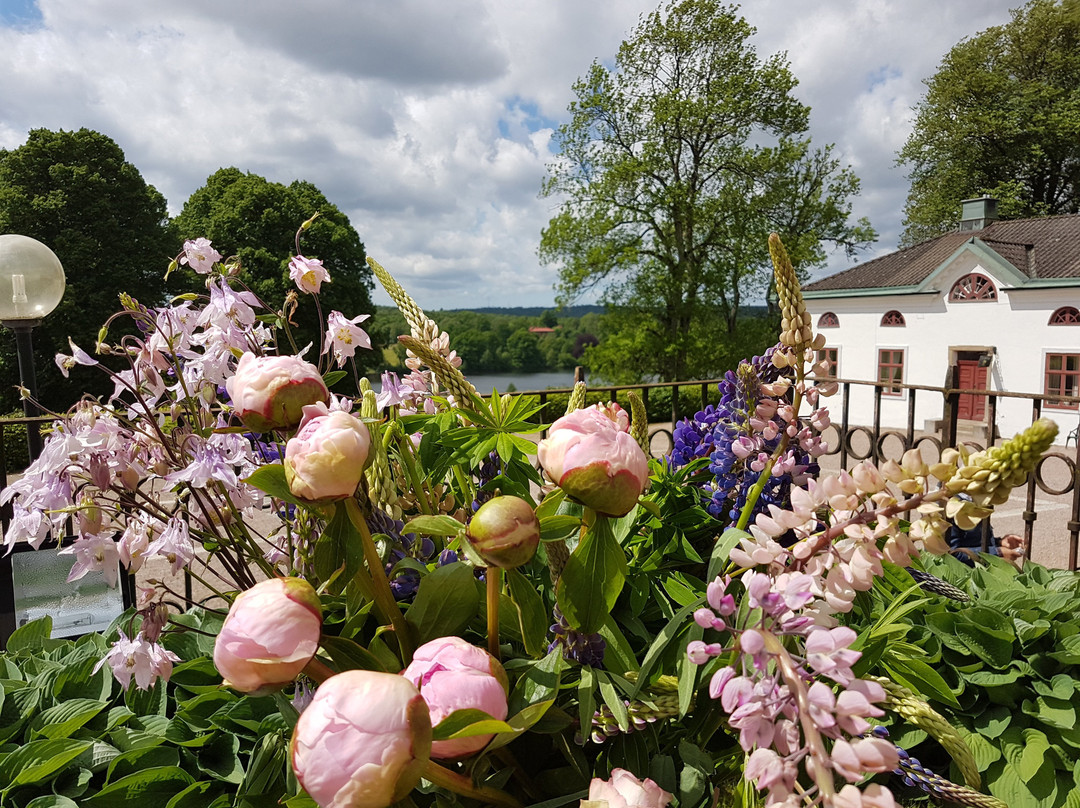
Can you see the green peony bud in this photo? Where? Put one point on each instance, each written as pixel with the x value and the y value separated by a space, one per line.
pixel 505 532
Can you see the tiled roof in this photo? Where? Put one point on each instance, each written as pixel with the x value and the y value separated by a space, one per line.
pixel 1048 247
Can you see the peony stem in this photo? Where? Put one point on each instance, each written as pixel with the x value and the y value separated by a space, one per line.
pixel 493 579
pixel 452 781
pixel 318 670
pixel 384 596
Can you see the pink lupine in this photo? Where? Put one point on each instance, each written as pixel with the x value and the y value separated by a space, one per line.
pixel 325 461
pixel 270 392
pixel 595 461
pixel 453 674
pixel 363 741
pixel 624 790
pixel 270 634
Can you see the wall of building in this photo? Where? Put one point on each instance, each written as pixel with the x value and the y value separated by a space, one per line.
pixel 1013 328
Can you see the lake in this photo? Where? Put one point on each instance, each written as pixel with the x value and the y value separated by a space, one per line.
pixel 485 383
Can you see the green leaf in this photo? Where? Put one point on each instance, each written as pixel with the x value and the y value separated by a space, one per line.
pixel 1032 758
pixel 34 636
pixel 918 676
pixel 339 551
pixel 51 801
pixel 220 760
pixel 539 683
pixel 446 526
pixel 270 479
pixel 613 699
pixel 348 655
pixel 446 601
pixel 194 796
pixel 532 615
pixel 618 655
pixel 988 635
pixel 467 724
pixel 1069 651
pixel 559 527
pixel 593 578
pixel 332 377
pixel 139 759
pixel 39 761
pixel 675 625
pixel 586 692
pixel 143 788
pixel 63 719
pixel 727 542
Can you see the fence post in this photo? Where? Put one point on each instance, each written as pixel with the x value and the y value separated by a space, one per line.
pixel 674 405
pixel 952 407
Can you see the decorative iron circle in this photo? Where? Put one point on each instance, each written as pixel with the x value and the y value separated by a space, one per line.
pixel 1070 466
pixel 881 444
pixel 934 439
pixel 870 441
pixel 670 441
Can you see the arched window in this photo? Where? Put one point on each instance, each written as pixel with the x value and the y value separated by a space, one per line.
pixel 1066 315
pixel 973 287
pixel 893 318
pixel 828 320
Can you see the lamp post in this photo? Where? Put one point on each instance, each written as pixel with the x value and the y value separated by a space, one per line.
pixel 31 285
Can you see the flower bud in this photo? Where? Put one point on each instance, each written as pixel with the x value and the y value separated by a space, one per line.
pixel 453 674
pixel 623 790
pixel 325 460
pixel 505 532
pixel 595 461
pixel 363 741
pixel 270 392
pixel 271 633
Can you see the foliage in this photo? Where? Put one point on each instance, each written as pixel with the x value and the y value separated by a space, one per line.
pixel 69 735
pixel 75 192
pixel 248 216
pixel 1002 117
pixel 673 169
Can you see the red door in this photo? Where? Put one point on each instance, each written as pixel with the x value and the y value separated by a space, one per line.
pixel 972 377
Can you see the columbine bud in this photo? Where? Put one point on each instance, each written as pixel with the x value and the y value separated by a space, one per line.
pixel 271 633
pixel 595 462
pixel 505 532
pixel 624 790
pixel 453 674
pixel 270 392
pixel 363 741
pixel 325 460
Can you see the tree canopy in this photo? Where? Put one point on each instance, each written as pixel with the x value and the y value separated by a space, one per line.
pixel 1001 117
pixel 75 193
pixel 254 219
pixel 674 167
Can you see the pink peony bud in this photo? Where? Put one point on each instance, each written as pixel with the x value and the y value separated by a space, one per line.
pixel 363 741
pixel 505 531
pixel 326 459
pixel 624 790
pixel 270 392
pixel 270 634
pixel 595 461
pixel 455 675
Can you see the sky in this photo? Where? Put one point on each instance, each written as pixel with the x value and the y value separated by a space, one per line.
pixel 430 123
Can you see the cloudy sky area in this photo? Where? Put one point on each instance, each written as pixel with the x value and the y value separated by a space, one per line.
pixel 429 122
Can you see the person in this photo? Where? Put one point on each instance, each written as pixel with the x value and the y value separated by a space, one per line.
pixel 964 544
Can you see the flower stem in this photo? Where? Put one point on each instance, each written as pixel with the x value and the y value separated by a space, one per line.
pixel 452 781
pixel 493 580
pixel 318 670
pixel 384 596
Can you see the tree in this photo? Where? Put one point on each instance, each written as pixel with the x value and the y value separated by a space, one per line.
pixel 76 193
pixel 674 167
pixel 1002 117
pixel 248 216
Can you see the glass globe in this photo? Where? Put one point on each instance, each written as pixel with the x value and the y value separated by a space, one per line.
pixel 31 279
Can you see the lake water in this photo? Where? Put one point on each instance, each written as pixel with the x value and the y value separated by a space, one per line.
pixel 485 383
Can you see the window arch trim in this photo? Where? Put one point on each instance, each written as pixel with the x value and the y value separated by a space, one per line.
pixel 1066 315
pixel 973 288
pixel 893 319
pixel 828 320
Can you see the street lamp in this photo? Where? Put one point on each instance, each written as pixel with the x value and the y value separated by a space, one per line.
pixel 31 285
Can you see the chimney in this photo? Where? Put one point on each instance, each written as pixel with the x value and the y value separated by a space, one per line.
pixel 975 214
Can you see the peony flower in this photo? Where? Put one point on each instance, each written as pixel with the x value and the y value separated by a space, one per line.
pixel 363 741
pixel 270 392
pixel 453 674
pixel 623 790
pixel 595 461
pixel 271 633
pixel 326 458
pixel 344 336
pixel 309 274
pixel 505 532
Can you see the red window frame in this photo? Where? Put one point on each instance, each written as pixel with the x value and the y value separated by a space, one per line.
pixel 1061 378
pixel 891 369
pixel 1066 315
pixel 832 356
pixel 973 288
pixel 828 320
pixel 893 319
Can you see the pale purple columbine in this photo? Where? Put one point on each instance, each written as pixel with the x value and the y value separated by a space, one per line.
pixel 174 544
pixel 309 274
pixel 228 308
pixel 344 336
pixel 94 553
pixel 138 658
pixel 200 256
pixel 393 392
pixel 78 357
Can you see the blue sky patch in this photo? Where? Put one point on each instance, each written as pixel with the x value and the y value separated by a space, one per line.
pixel 20 14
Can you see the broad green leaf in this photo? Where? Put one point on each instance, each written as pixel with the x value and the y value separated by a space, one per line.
pixel 34 636
pixel 220 760
pixel 66 717
pixel 1068 652
pixel 533 617
pixel 613 699
pixel 988 634
pixel 446 526
pixel 592 579
pixel 918 676
pixel 194 796
pixel 348 655
pixel 675 625
pixel 52 801
pixel 1032 758
pixel 618 655
pixel 139 759
pixel 559 527
pixel 38 761
pixel 339 551
pixel 539 683
pixel 697 770
pixel 143 788
pixel 727 542
pixel 270 479
pixel 467 724
pixel 586 692
pixel 446 601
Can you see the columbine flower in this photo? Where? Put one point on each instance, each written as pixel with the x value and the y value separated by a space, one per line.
pixel 144 660
pixel 344 336
pixel 78 357
pixel 308 274
pixel 393 392
pixel 94 553
pixel 174 543
pixel 200 256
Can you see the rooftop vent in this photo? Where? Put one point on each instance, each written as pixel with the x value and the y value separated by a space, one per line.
pixel 975 214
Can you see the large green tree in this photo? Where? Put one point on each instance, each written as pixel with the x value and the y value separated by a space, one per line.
pixel 254 219
pixel 75 192
pixel 675 165
pixel 1002 117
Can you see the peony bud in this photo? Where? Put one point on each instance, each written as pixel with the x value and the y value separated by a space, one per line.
pixel 595 461
pixel 270 392
pixel 454 675
pixel 505 532
pixel 326 459
pixel 271 633
pixel 624 790
pixel 363 741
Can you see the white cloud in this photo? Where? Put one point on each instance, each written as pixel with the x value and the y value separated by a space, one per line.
pixel 428 122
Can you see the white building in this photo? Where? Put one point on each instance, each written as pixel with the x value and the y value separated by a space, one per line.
pixel 999 301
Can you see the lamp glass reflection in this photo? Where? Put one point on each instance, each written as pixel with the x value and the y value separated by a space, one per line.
pixel 31 279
